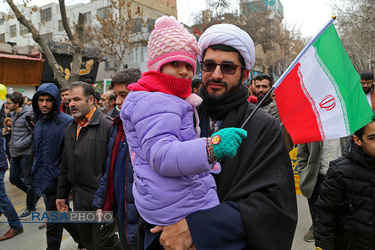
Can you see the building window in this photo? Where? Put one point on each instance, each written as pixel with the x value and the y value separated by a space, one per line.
pixel 23 29
pixel 46 15
pixel 110 65
pixel 47 37
pixel 139 54
pixel 2 38
pixel 61 26
pixel 87 18
pixel 150 25
pixel 1 21
pixel 103 12
pixel 138 24
pixel 13 30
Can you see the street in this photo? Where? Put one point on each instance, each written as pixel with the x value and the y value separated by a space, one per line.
pixel 35 239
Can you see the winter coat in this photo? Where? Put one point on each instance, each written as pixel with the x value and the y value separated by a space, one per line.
pixel 48 141
pixel 21 139
pixel 345 209
pixel 256 189
pixel 3 157
pixel 172 173
pixel 309 160
pixel 271 108
pixel 122 202
pixel 115 112
pixel 83 161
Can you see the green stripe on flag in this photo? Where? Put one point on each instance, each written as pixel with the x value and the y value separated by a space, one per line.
pixel 332 52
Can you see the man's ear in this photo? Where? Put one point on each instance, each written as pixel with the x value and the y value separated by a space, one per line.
pixel 91 100
pixel 357 140
pixel 245 75
pixel 112 103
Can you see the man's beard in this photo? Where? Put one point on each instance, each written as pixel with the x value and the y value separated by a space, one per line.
pixel 228 92
pixel 367 90
pixel 260 98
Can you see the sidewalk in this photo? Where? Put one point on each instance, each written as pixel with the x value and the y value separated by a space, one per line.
pixel 32 238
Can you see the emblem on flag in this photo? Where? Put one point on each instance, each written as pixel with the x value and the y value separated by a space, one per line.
pixel 328 103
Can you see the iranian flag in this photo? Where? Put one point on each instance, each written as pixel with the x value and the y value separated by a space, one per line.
pixel 320 97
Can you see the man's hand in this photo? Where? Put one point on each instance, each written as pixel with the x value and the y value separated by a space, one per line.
pixel 61 206
pixel 176 236
pixel 99 214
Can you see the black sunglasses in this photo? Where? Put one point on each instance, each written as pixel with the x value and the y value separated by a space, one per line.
pixel 226 68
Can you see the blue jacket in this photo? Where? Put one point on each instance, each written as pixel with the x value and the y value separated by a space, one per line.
pixel 123 206
pixel 3 157
pixel 48 141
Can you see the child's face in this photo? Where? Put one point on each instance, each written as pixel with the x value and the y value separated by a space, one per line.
pixel 9 123
pixel 368 140
pixel 178 69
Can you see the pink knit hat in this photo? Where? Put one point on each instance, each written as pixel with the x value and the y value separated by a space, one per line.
pixel 169 42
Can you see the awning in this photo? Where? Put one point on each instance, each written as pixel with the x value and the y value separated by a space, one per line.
pixel 20 71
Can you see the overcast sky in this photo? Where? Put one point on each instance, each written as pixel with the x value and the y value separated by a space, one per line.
pixel 310 15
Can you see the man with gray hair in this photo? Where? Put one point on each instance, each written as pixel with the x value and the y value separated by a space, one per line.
pixel 108 104
pixel 258 207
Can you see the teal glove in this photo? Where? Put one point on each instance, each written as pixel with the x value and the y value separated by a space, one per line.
pixel 225 142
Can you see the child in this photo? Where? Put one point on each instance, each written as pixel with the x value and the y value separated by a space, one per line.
pixel 345 209
pixel 171 164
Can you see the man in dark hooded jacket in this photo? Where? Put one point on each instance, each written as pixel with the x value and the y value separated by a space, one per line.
pixel 48 145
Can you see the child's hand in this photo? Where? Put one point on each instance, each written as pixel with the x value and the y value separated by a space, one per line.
pixel 225 142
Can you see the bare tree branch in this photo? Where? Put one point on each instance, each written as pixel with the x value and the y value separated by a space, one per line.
pixel 77 49
pixel 74 39
pixel 59 75
pixel 64 19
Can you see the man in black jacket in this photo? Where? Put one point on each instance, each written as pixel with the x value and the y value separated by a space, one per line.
pixel 83 164
pixel 345 208
pixel 258 207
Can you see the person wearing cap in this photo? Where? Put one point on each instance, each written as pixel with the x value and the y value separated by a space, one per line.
pixel 172 165
pixel 258 208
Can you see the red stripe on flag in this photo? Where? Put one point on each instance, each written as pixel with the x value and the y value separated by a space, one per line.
pixel 295 110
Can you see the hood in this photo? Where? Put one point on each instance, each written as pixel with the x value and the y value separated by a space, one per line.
pixel 25 109
pixel 357 154
pixel 52 90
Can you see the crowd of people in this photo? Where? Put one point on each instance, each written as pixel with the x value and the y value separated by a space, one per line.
pixel 167 155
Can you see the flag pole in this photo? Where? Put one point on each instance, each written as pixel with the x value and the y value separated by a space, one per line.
pixel 291 66
pixel 286 72
pixel 258 106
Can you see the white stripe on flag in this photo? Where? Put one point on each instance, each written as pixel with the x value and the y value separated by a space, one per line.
pixel 331 119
